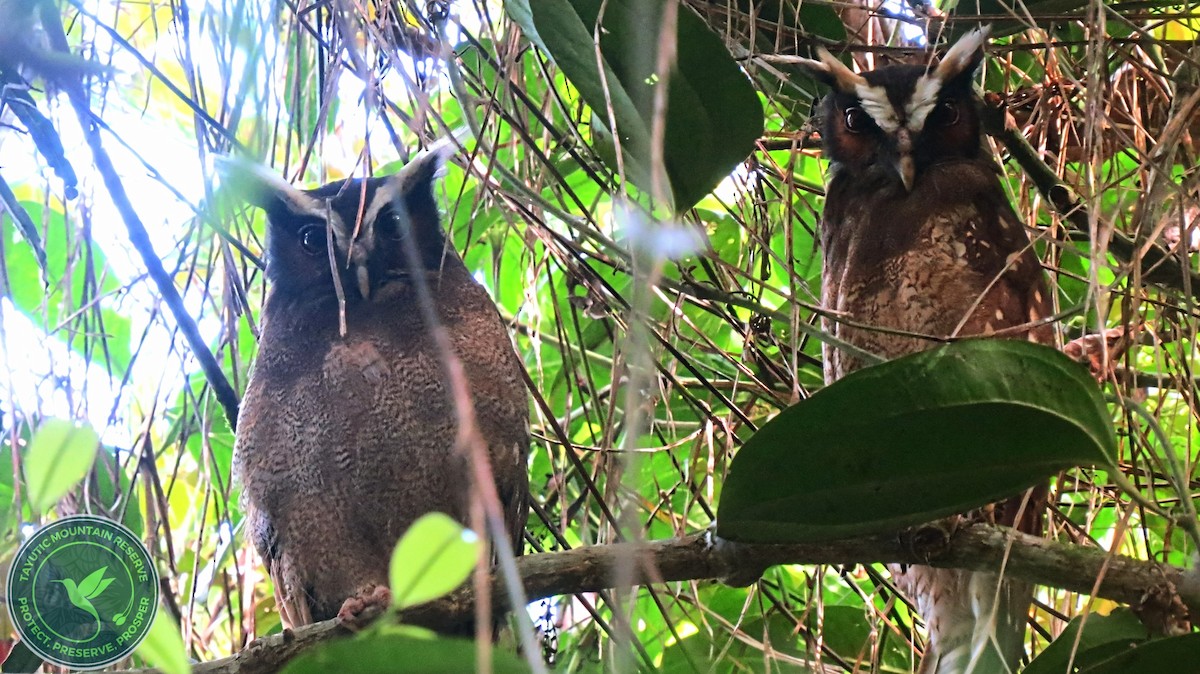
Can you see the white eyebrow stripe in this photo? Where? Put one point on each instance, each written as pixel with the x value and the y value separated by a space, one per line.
pixel 341 233
pixel 876 104
pixel 322 207
pixel 924 97
pixel 959 57
pixel 298 202
pixel 383 196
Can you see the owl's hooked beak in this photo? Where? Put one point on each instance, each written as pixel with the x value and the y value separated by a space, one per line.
pixel 360 258
pixel 905 167
pixel 907 171
pixel 364 280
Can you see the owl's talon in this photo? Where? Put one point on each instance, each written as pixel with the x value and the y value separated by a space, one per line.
pixel 929 540
pixel 1101 352
pixel 986 514
pixel 363 607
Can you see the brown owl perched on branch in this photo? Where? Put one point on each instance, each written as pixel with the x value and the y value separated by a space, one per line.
pixel 348 430
pixel 920 244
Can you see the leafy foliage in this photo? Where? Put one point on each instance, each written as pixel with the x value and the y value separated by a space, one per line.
pixel 401 654
pixel 60 455
pixel 163 649
pixel 712 115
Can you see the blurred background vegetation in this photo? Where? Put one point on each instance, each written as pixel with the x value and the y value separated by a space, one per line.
pixel 642 392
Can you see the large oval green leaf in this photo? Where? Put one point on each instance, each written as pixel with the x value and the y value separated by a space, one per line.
pixel 914 439
pixel 393 653
pixel 713 115
pixel 434 556
pixel 1103 637
pixel 1177 655
pixel 163 648
pixel 60 455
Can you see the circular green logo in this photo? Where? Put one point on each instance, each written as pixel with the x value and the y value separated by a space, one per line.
pixel 82 592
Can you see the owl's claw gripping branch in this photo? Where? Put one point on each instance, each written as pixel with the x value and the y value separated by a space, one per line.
pixel 366 605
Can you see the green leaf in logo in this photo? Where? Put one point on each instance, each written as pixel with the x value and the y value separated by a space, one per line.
pixel 94 584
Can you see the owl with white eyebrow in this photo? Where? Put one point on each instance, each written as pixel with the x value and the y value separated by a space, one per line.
pixel 920 244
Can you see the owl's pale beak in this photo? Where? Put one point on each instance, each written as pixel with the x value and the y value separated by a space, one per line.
pixel 364 281
pixel 907 171
pixel 905 166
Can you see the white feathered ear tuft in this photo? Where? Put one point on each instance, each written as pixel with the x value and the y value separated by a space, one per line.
pixel 263 187
pixel 831 71
pixel 423 168
pixel 964 57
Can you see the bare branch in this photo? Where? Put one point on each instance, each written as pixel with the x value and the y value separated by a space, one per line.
pixel 1143 585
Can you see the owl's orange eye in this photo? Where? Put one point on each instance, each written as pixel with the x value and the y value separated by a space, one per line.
pixel 946 113
pixel 857 120
pixel 312 239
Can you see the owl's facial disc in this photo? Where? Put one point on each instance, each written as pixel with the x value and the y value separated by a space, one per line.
pixel 901 119
pixel 357 236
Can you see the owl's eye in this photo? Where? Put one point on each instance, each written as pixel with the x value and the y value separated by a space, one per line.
pixel 946 113
pixel 392 232
pixel 312 239
pixel 857 120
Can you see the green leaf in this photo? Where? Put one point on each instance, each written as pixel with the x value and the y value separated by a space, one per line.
pixel 21 659
pixel 914 439
pixel 69 287
pixel 1176 655
pixel 713 115
pixel 60 455
pixel 433 558
pixel 1102 637
pixel 163 647
pixel 88 587
pixel 390 653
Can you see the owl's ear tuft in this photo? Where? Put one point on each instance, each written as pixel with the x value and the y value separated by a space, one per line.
pixel 420 173
pixel 831 71
pixel 412 186
pixel 964 57
pixel 262 187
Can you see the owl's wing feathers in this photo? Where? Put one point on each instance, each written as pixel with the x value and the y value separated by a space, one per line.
pixel 977 620
pixel 998 249
pixel 496 376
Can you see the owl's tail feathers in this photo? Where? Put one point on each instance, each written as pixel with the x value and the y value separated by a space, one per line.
pixel 990 636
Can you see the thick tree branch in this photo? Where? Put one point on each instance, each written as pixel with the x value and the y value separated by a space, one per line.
pixel 1144 585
